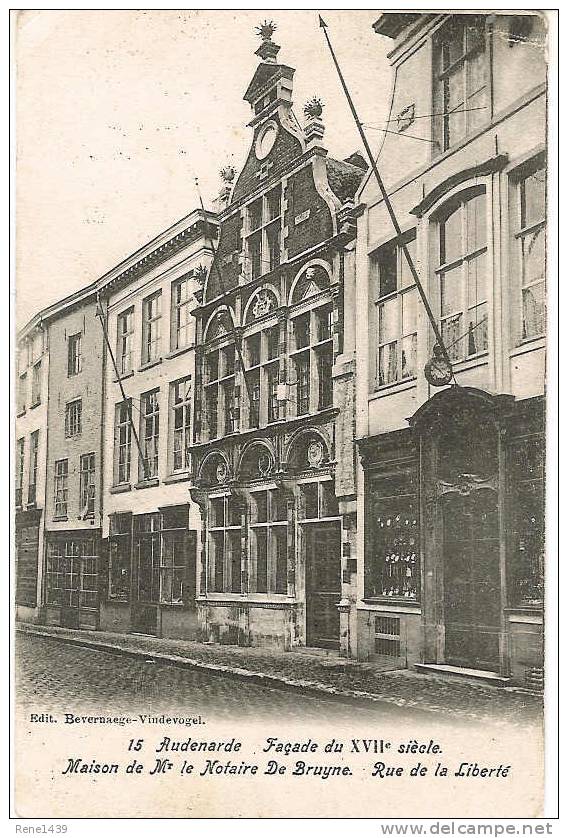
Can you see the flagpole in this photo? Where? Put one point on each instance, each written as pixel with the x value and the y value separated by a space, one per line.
pixel 386 199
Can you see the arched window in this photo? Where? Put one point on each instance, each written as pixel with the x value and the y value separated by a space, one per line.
pixel 462 274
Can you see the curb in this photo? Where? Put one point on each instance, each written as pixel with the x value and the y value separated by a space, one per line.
pixel 312 688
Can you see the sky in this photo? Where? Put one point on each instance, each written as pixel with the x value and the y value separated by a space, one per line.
pixel 117 112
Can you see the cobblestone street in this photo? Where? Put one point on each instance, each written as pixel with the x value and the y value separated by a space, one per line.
pixel 57 674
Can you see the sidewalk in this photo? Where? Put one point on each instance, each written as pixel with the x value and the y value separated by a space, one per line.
pixel 317 674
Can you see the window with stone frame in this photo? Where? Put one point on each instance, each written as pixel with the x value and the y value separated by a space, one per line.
pixel 224 534
pixel 181 313
pixel 463 275
pixel 312 358
pixel 122 442
pixel 152 328
pixel 73 418
pixel 87 486
pixel 317 500
pixel 36 384
pixel 392 554
pixel 20 453
pixel 461 80
pixel 528 208
pixel 262 369
pixel 61 488
pixel 528 513
pixel 74 354
pixel 22 393
pixel 124 341
pixel 395 307
pixel 180 400
pixel 149 434
pixel 269 540
pixel 219 380
pixel 32 479
pixel 120 536
pixel 264 234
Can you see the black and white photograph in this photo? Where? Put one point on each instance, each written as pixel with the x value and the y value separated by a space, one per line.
pixel 281 382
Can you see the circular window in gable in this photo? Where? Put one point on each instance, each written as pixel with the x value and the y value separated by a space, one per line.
pixel 265 140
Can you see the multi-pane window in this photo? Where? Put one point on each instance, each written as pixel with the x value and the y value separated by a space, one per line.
pixel 74 357
pixel 181 313
pixel 73 417
pixel 122 442
pixel 263 242
pixel 317 500
pixel 219 374
pixel 149 434
pixel 393 566
pixel 530 240
pixel 225 549
pixel 161 551
pixel 120 533
pixel 261 377
pixel 461 90
pixel 34 454
pixel 528 530
pixel 72 573
pixel 36 383
pixel 181 416
pixel 124 341
pixel 61 488
pixel 269 539
pixel 462 275
pixel 312 359
pixel 20 453
pixel 87 484
pixel 395 315
pixel 152 328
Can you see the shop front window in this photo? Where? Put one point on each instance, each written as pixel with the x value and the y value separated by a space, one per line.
pixel 528 521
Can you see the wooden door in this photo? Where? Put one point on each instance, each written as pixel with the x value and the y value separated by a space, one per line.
pixel 472 602
pixel 323 584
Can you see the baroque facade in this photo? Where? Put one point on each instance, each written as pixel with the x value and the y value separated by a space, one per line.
pixel 273 455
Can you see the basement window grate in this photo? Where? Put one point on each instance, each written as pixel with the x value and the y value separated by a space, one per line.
pixel 387 636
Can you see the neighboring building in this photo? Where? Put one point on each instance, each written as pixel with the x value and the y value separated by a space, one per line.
pixel 32 362
pixel 70 593
pixel 151 527
pixel 273 458
pixel 450 505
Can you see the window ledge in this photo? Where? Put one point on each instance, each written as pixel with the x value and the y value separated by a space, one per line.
pixel 528 345
pixel 123 377
pixel 21 413
pixel 471 363
pixel 60 518
pixel 177 477
pixel 394 601
pixel 35 404
pixel 120 487
pixel 73 436
pixel 395 387
pixel 146 484
pixel 181 351
pixel 149 364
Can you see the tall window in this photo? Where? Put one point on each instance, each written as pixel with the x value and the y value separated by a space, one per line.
pixel 124 341
pixel 269 533
pixel 461 91
pixel 120 534
pixel 263 240
pixel 61 488
pixel 527 536
pixel 150 434
pixel 395 314
pixel 181 416
pixel 73 418
pixel 22 393
pixel 36 383
pixel 262 369
pixel 225 553
pixel 463 277
pixel 74 357
pixel 392 568
pixel 152 328
pixel 530 240
pixel 181 316
pixel 87 484
pixel 219 377
pixel 161 550
pixel 20 453
pixel 122 442
pixel 312 359
pixel 34 453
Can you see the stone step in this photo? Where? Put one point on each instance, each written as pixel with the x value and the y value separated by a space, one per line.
pixel 483 675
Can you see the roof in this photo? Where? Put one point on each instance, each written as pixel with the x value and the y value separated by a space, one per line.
pixel 391 24
pixel 344 178
pixel 264 74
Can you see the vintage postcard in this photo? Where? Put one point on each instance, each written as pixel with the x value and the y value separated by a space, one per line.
pixel 279 413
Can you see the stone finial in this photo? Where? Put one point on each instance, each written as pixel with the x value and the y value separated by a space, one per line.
pixel 268 50
pixel 314 128
pixel 200 275
pixel 228 173
pixel 266 30
pixel 313 108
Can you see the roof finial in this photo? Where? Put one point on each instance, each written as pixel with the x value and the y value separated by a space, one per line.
pixel 266 30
